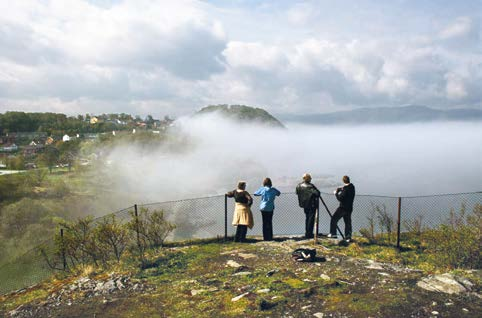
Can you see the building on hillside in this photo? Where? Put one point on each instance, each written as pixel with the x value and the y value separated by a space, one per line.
pixel 66 138
pixel 7 139
pixel 32 150
pixel 91 136
pixel 30 165
pixel 94 120
pixel 9 148
pixel 49 141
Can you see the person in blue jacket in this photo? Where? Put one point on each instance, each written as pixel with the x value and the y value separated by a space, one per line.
pixel 268 193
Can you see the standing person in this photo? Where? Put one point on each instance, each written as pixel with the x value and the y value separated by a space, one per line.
pixel 243 217
pixel 346 196
pixel 268 193
pixel 308 196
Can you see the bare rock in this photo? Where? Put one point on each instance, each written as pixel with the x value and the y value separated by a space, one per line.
pixel 445 283
pixel 195 292
pixel 233 264
pixel 374 265
pixel 242 274
pixel 264 291
pixel 239 297
pixel 247 256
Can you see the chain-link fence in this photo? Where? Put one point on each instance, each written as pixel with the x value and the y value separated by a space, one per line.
pixel 211 217
pixel 27 269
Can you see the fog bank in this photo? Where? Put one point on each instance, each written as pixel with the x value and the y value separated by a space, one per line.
pixel 393 160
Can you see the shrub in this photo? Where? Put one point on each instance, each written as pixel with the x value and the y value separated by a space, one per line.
pixel 456 244
pixel 79 242
pixel 112 238
pixel 151 229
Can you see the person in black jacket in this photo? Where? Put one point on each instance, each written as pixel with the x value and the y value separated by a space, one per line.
pixel 308 196
pixel 345 195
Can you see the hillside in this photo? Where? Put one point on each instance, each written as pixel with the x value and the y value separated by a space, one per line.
pixel 257 279
pixel 388 115
pixel 244 114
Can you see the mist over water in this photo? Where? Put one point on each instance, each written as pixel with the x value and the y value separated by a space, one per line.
pixel 393 160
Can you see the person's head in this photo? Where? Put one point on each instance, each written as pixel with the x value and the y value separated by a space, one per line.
pixel 346 179
pixel 307 177
pixel 267 182
pixel 242 185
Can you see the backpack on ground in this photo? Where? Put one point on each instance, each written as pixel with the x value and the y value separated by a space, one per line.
pixel 304 255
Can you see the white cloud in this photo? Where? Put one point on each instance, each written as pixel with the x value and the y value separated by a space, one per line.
pixel 460 27
pixel 455 86
pixel 177 56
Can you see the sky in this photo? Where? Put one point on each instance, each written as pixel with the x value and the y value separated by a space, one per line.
pixel 288 57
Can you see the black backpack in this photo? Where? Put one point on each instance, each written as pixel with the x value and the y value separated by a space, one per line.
pixel 304 255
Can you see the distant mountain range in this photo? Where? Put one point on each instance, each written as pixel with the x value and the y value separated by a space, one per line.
pixel 242 114
pixel 382 115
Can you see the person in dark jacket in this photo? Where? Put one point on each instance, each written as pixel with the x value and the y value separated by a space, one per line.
pixel 346 196
pixel 268 193
pixel 243 217
pixel 308 196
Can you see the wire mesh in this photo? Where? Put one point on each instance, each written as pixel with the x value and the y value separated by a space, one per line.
pixel 27 269
pixel 195 218
pixel 431 211
pixel 205 218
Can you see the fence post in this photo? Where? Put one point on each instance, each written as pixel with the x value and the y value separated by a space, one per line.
pixel 399 220
pixel 64 259
pixel 139 246
pixel 137 226
pixel 225 217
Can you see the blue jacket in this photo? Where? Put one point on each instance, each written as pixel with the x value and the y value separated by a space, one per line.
pixel 267 198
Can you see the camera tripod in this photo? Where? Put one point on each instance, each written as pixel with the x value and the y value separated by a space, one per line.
pixel 317 218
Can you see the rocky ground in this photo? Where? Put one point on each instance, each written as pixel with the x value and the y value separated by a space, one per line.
pixel 256 279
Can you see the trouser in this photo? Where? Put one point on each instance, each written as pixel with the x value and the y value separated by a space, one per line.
pixel 267 225
pixel 309 221
pixel 241 231
pixel 346 215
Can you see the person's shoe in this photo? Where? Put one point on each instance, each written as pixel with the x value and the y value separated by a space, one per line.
pixel 332 236
pixel 348 240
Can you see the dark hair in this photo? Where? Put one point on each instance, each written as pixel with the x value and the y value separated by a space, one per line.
pixel 267 182
pixel 242 185
pixel 346 179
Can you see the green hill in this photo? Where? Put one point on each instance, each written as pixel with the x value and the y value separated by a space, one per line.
pixel 244 114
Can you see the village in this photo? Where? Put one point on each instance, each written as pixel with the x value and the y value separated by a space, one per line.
pixel 25 150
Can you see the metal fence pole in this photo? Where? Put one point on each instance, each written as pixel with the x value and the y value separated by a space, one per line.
pixel 141 248
pixel 225 217
pixel 137 225
pixel 399 220
pixel 64 259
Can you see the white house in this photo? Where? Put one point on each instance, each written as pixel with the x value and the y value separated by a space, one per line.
pixel 65 138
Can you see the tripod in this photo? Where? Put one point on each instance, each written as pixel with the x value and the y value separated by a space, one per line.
pixel 329 213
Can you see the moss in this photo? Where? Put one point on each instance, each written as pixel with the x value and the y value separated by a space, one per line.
pixel 24 298
pixel 296 283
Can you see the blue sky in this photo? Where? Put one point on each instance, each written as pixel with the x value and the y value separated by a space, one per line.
pixel 173 57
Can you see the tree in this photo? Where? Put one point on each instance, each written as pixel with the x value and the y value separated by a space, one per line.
pixel 49 157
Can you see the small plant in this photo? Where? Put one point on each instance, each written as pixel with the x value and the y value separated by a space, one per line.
pixel 414 226
pixel 385 220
